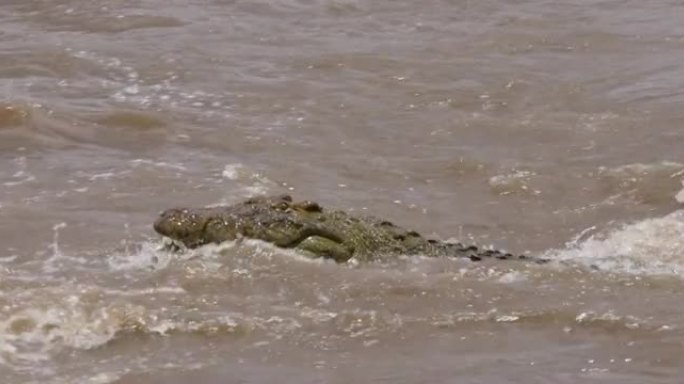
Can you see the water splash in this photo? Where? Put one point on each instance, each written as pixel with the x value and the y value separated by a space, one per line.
pixel 653 247
pixel 54 318
pixel 49 265
pixel 680 195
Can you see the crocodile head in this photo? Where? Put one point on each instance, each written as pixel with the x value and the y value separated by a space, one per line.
pixel 275 219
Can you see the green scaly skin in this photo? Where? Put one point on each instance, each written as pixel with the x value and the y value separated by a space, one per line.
pixel 307 227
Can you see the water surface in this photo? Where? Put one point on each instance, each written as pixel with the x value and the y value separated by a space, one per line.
pixel 533 126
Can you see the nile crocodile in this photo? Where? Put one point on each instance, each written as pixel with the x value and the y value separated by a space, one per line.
pixel 308 227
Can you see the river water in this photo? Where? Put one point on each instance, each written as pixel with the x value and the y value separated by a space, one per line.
pixel 540 127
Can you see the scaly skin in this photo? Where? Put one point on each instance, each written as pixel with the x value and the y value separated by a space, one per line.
pixel 306 226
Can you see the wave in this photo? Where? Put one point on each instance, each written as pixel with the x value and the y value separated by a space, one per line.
pixel 653 246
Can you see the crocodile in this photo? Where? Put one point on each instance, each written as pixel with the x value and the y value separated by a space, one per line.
pixel 308 227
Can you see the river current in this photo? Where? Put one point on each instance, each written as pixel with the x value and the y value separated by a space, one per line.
pixel 540 127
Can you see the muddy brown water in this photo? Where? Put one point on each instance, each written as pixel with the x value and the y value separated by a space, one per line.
pixel 534 126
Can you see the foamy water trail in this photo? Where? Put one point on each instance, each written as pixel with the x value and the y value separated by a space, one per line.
pixel 651 247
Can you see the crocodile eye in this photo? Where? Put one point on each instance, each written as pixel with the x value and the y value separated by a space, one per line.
pixel 309 206
pixel 281 206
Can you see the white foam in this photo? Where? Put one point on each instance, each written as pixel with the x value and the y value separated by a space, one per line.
pixel 32 333
pixel 652 246
pixel 516 181
pixel 680 195
pixel 669 168
pixel 49 265
pixel 146 291
pixel 232 171
pixel 155 255
pixel 103 378
pixel 160 164
pixel 148 256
